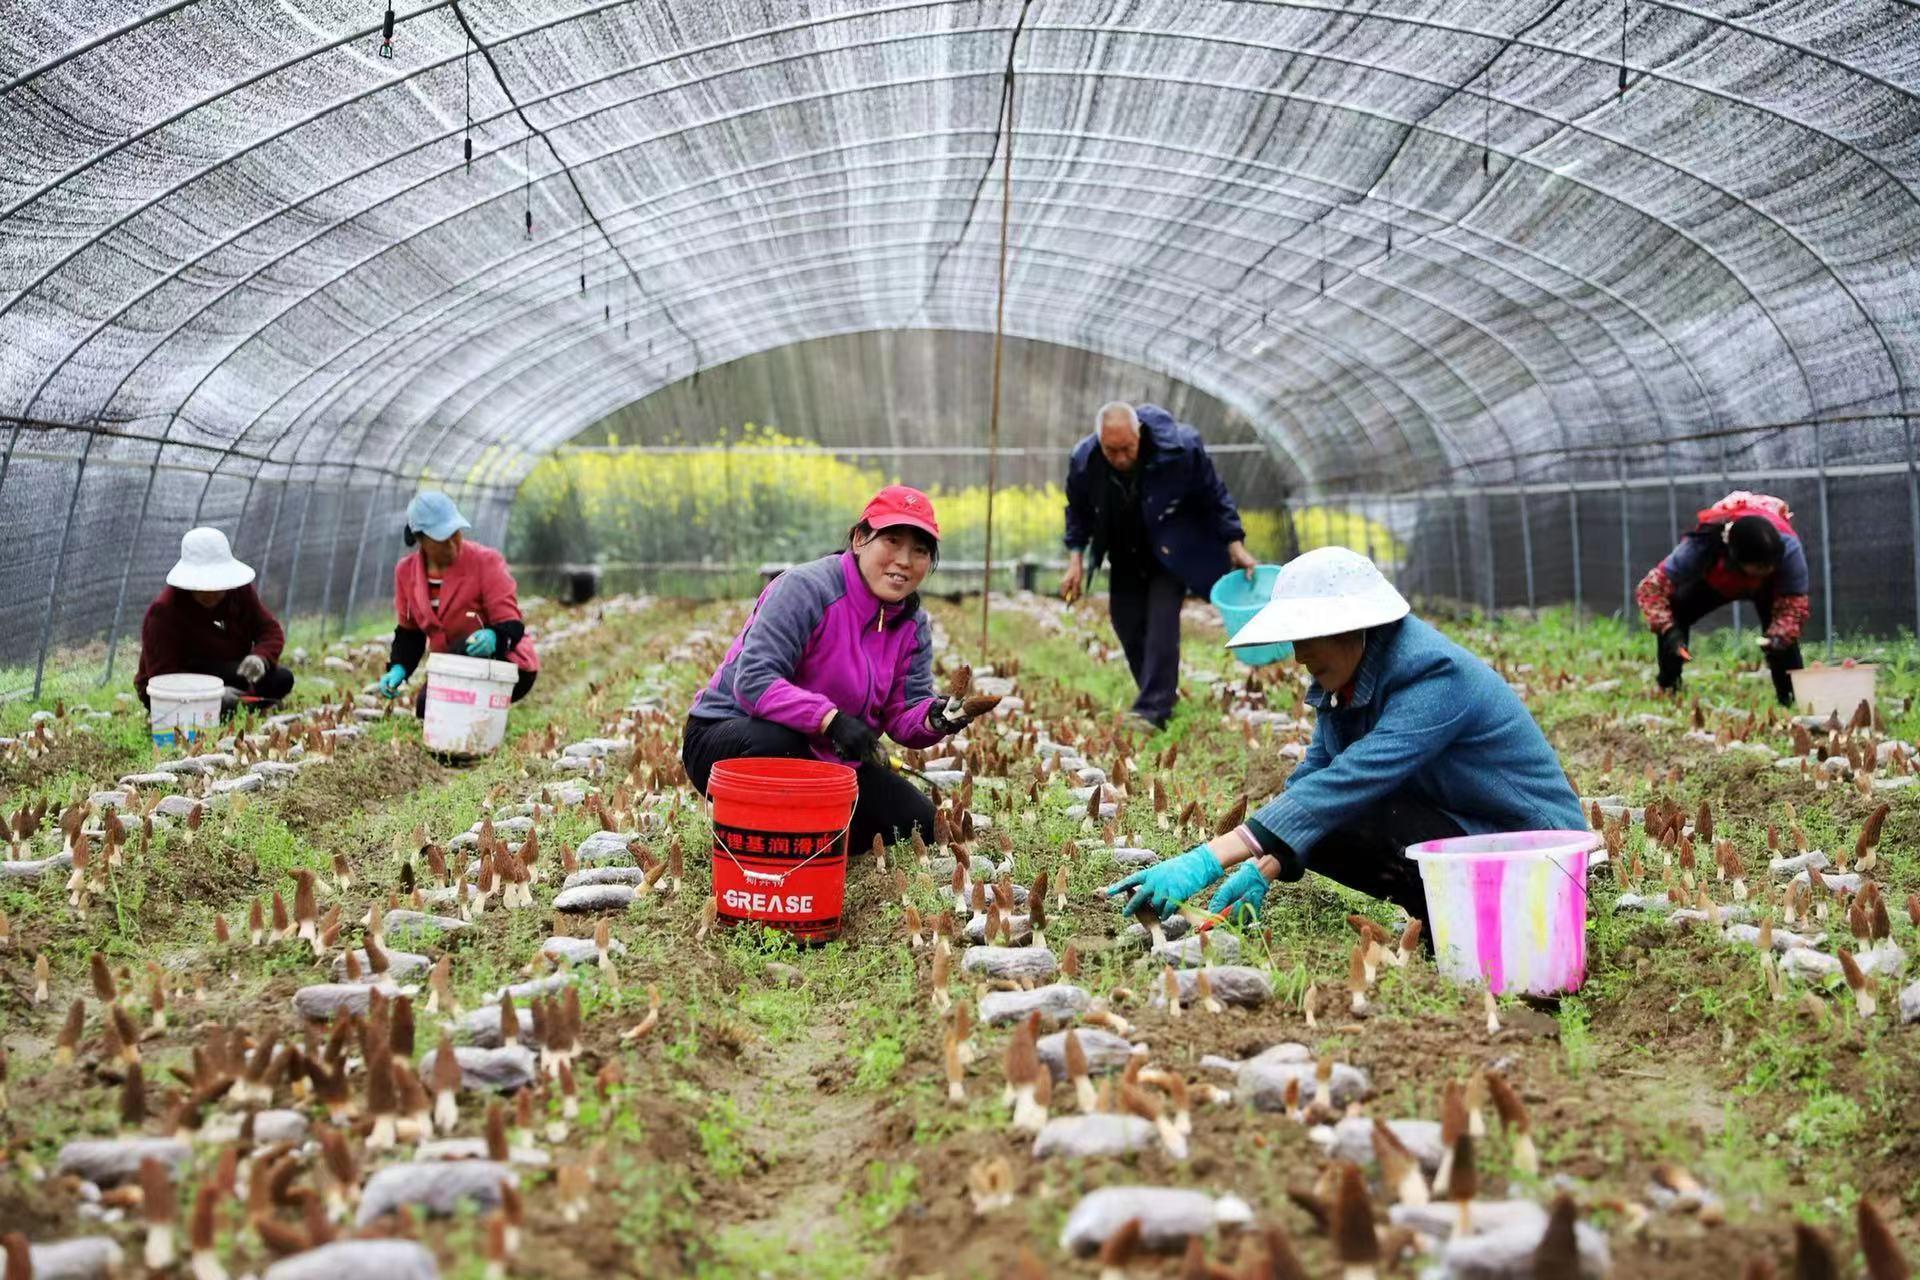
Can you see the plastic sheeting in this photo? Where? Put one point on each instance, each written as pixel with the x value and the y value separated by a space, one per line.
pixel 1425 247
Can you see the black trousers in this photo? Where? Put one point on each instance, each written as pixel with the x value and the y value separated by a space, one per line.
pixel 1146 618
pixel 889 805
pixel 1369 854
pixel 522 686
pixel 271 689
pixel 1695 601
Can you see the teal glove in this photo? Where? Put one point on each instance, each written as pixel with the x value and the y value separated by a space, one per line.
pixel 482 643
pixel 1240 898
pixel 1164 886
pixel 390 683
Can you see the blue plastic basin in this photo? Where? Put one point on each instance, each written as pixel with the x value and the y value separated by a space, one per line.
pixel 1238 600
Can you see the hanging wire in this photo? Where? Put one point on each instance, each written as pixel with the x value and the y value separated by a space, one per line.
pixel 1486 126
pixel 1323 254
pixel 526 167
pixel 583 253
pixel 467 62
pixel 1389 208
pixel 1623 50
pixel 386 34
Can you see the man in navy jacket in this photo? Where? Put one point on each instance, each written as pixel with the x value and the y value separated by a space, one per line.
pixel 1142 494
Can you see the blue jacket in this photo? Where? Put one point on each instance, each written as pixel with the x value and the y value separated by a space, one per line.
pixel 1189 514
pixel 1429 718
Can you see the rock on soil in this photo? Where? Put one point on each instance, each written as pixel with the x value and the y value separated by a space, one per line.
pixel 505 1068
pixel 604 875
pixel 1508 1255
pixel 268 1127
pixel 1083 1137
pixel 359 1260
pixel 579 950
pixel 401 965
pixel 606 846
pixel 1264 1083
pixel 325 1000
pixel 1056 1003
pixel 1021 927
pixel 107 1162
pixel 1135 858
pixel 1910 1004
pixel 1232 984
pixel 33 869
pixel 1135 935
pixel 594 897
pixel 437 1186
pixel 1106 1052
pixel 482 1026
pixel 1168 1216
pixel 476 1149
pixel 1198 950
pixel 1035 963
pixel 418 926
pixel 524 991
pixel 1352 1139
pixel 88 1258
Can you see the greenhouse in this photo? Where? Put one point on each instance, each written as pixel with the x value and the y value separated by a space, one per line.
pixel 1392 753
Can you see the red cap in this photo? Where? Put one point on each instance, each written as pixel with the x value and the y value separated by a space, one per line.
pixel 896 505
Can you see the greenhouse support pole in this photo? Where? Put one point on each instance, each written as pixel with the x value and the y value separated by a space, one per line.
pixel 299 545
pixel 133 554
pixel 60 563
pixel 1453 536
pixel 1913 519
pixel 273 525
pixel 1626 536
pixel 1826 539
pixel 999 335
pixel 1526 543
pixel 1673 497
pixel 333 552
pixel 360 554
pixel 1486 525
pixel 1726 479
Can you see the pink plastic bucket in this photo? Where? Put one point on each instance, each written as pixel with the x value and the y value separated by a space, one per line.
pixel 1509 910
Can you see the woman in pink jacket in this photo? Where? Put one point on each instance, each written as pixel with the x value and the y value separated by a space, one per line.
pixel 453 596
pixel 835 653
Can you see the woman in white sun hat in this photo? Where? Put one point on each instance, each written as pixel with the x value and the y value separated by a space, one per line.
pixel 1416 739
pixel 208 620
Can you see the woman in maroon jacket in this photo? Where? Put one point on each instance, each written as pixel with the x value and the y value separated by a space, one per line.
pixel 209 621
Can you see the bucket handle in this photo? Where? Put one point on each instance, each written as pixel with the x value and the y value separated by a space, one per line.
pixel 772 878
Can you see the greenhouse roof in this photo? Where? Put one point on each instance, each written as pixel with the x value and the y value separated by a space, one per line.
pixel 1456 242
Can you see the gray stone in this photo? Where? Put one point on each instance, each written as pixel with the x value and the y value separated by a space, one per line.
pixel 1082 1137
pixel 1656 903
pixel 88 1258
pixel 149 779
pixel 1264 1083
pixel 181 807
pixel 418 926
pixel 1836 881
pixel 1784 940
pixel 507 827
pixel 1508 1254
pixel 579 950
pixel 1488 1216
pixel 1033 963
pixel 476 1149
pixel 1168 1217
pixel 34 868
pixel 503 1069
pixel 1910 1004
pixel 593 748
pixel 1199 949
pixel 1058 1002
pixel 1135 858
pixel 606 846
pixel 435 1186
pixel 276 771
pixel 326 999
pixel 993 686
pixel 1136 935
pixel 108 1162
pixel 784 975
pixel 401 965
pixel 944 777
pixel 604 875
pixel 1232 984
pixel 118 799
pixel 1352 1139
pixel 594 897
pixel 193 766
pixel 1021 927
pixel 359 1260
pixel 1106 1052
pixel 246 782
pixel 482 1027
pixel 525 991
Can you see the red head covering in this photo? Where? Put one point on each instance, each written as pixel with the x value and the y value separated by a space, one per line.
pixel 896 505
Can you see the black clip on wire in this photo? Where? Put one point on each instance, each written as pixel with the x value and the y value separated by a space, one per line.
pixel 386 35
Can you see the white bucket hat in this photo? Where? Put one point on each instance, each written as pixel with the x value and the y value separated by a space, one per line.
pixel 1326 592
pixel 206 563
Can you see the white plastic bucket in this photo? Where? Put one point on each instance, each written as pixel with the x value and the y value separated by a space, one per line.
pixel 467 701
pixel 1822 690
pixel 182 705
pixel 1509 910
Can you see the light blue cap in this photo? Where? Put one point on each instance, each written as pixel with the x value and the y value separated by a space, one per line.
pixel 434 514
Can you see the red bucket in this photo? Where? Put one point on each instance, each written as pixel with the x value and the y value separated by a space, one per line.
pixel 780 843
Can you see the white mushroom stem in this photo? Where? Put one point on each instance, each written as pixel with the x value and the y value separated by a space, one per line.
pixel 1028 1115
pixel 159 1251
pixel 446 1110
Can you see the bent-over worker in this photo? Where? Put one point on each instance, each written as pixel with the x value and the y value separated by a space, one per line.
pixel 453 596
pixel 836 652
pixel 1416 739
pixel 208 620
pixel 1743 548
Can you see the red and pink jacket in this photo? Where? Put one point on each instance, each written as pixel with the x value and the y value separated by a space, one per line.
pixel 819 640
pixel 476 591
pixel 1702 556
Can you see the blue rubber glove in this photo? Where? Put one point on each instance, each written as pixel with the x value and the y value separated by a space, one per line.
pixel 482 643
pixel 1164 886
pixel 390 683
pixel 1241 897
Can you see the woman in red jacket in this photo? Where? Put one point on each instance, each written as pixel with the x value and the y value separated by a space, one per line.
pixel 453 596
pixel 210 621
